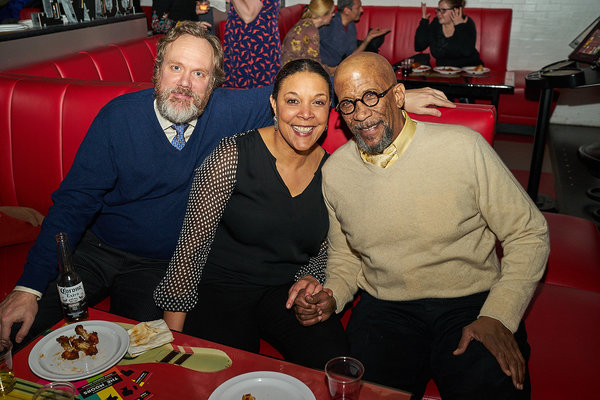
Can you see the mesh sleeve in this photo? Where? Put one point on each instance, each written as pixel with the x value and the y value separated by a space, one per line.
pixel 211 189
pixel 316 265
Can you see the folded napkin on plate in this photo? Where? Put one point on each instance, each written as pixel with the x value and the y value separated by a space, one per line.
pixel 148 335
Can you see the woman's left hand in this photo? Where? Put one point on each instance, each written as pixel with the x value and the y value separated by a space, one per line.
pixel 457 17
pixel 310 285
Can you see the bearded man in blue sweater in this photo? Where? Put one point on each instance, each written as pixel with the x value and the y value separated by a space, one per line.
pixel 124 198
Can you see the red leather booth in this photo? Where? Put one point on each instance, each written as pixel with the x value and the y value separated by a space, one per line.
pixel 42 123
pixel 131 61
pixel 479 117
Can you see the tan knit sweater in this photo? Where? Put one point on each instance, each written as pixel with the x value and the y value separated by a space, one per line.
pixel 426 226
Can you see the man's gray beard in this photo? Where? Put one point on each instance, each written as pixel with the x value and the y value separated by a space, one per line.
pixel 386 140
pixel 179 115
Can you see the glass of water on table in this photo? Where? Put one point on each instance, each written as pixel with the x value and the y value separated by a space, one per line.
pixel 344 377
pixel 56 391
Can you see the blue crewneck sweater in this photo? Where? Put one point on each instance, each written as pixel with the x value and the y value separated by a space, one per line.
pixel 129 185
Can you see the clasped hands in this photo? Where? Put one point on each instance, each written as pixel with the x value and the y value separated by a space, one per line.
pixel 313 303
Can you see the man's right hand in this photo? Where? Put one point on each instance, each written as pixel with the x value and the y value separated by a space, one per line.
pixel 316 308
pixel 17 307
pixel 375 32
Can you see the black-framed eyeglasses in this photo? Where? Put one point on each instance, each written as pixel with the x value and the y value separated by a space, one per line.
pixel 370 99
pixel 442 10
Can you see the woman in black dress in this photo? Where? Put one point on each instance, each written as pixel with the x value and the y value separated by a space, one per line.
pixel 450 36
pixel 255 224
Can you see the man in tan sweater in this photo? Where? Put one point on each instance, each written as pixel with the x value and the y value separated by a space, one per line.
pixel 415 210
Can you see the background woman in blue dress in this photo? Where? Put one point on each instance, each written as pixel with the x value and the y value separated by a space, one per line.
pixel 251 43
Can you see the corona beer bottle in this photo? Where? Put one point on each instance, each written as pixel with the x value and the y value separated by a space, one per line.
pixel 70 287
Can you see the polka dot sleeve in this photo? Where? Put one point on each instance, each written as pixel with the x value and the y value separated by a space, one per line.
pixel 211 189
pixel 316 265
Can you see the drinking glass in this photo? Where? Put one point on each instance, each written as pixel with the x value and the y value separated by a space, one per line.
pixel 407 66
pixel 56 391
pixel 36 19
pixel 343 377
pixel 7 376
pixel 202 6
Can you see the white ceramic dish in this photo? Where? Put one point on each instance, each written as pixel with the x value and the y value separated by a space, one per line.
pixel 26 22
pixel 473 71
pixel 263 385
pixel 447 70
pixel 45 360
pixel 421 68
pixel 12 27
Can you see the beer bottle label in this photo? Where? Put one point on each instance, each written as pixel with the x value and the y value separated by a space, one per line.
pixel 71 294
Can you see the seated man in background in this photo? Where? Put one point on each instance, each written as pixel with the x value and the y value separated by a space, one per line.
pixel 415 210
pixel 338 39
pixel 123 201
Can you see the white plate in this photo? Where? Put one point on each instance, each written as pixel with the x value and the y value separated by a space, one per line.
pixel 447 70
pixel 263 385
pixel 26 22
pixel 472 71
pixel 12 27
pixel 421 68
pixel 45 360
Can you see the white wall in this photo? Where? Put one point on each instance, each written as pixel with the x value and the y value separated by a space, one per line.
pixel 541 31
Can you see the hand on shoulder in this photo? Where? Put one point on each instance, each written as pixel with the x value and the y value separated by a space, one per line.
pixel 420 101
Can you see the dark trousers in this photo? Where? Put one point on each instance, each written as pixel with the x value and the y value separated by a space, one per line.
pixel 403 344
pixel 239 316
pixel 128 279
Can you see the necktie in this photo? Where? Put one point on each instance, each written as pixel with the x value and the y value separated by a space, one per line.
pixel 179 141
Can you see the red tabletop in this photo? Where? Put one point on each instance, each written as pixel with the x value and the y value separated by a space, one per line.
pixel 174 382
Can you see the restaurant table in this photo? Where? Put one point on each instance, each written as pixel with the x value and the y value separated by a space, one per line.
pixel 168 381
pixel 486 86
pixel 562 74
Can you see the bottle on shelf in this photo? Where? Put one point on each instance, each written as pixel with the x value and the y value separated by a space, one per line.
pixel 70 287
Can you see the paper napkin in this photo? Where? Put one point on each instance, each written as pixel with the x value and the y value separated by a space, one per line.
pixel 148 335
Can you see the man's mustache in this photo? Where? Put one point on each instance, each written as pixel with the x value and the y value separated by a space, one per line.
pixel 181 90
